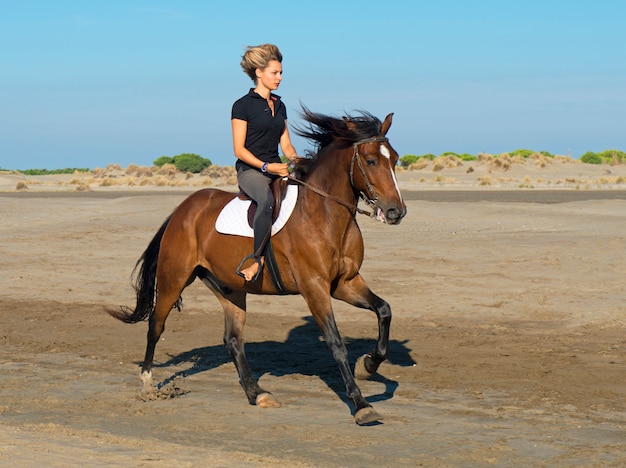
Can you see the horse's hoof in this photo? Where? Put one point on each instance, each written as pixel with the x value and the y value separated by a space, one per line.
pixel 360 372
pixel 267 400
pixel 367 415
pixel 146 379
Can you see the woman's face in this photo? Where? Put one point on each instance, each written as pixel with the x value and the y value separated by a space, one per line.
pixel 270 76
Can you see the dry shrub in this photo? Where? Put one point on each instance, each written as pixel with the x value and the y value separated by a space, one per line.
pixel 188 175
pixel 203 182
pixel 131 168
pixel 566 159
pixel 109 182
pixel 438 167
pixel 422 179
pixel 620 180
pixel 143 171
pixel 232 180
pixel 82 188
pixel 168 170
pixel 501 163
pixel 115 181
pixel 469 170
pixel 540 159
pixel 98 172
pixel 485 180
pixel 223 173
pixel 21 185
pixel 484 157
pixel 441 179
pixel 162 181
pixel 114 167
pixel 145 181
pixel 527 180
pixel 449 161
pixel 419 164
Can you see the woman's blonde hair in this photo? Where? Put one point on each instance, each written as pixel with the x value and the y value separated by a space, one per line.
pixel 259 57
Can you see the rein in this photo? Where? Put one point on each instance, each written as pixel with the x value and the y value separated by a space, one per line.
pixel 372 202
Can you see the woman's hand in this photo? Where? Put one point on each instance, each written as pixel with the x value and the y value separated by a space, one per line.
pixel 278 169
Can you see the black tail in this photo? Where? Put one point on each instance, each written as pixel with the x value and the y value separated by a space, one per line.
pixel 145 282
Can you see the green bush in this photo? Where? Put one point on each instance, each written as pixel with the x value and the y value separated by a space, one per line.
pixel 591 158
pixel 163 160
pixel 67 170
pixel 524 153
pixel 185 162
pixel 189 162
pixel 408 159
pixel 612 156
pixel 467 157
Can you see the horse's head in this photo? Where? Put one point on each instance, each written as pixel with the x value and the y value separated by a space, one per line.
pixel 369 157
pixel 373 174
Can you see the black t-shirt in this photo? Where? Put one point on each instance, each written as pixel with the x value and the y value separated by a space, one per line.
pixel 264 129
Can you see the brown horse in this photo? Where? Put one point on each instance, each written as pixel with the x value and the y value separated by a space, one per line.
pixel 318 253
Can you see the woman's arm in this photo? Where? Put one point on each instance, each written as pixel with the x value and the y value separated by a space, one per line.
pixel 240 127
pixel 285 144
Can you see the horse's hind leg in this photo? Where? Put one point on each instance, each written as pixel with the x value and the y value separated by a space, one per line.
pixel 234 321
pixel 169 291
pixel 357 293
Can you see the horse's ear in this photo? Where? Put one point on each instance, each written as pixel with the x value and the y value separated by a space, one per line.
pixel 386 125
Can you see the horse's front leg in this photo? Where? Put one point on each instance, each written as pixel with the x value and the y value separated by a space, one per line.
pixel 357 293
pixel 322 312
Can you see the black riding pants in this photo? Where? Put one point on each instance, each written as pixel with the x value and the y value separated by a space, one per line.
pixel 257 186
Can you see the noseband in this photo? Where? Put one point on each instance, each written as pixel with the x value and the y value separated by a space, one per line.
pixel 372 199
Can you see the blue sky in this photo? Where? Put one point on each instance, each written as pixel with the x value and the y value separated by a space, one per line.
pixel 86 83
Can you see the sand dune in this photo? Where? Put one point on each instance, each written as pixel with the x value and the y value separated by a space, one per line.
pixel 442 173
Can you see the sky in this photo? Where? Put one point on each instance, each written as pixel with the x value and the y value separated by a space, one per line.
pixel 87 83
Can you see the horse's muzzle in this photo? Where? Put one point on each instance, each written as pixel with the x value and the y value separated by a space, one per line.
pixel 391 215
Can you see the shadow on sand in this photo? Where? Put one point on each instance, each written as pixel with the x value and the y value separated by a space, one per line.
pixel 304 352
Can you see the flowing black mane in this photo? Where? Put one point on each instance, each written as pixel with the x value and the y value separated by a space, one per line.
pixel 325 129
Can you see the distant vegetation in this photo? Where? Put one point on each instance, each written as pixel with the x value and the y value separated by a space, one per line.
pixel 185 162
pixel 605 157
pixel 190 162
pixel 67 170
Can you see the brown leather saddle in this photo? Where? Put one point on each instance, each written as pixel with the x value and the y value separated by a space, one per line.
pixel 279 190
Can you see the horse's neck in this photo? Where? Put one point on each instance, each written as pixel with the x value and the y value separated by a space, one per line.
pixel 332 175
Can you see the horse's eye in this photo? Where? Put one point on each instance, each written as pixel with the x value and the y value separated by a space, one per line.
pixel 371 162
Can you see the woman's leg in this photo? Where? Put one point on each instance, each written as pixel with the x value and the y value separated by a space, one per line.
pixel 257 187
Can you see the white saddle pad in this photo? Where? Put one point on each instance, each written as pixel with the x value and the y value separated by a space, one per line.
pixel 233 218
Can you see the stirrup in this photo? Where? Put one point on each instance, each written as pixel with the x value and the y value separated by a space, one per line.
pixel 245 259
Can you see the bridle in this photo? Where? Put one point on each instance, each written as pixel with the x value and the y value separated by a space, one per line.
pixel 372 200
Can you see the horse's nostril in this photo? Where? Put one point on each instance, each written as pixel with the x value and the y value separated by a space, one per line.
pixel 392 213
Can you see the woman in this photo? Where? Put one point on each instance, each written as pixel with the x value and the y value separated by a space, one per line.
pixel 259 123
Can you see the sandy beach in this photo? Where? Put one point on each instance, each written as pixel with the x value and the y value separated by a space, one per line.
pixel 507 348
